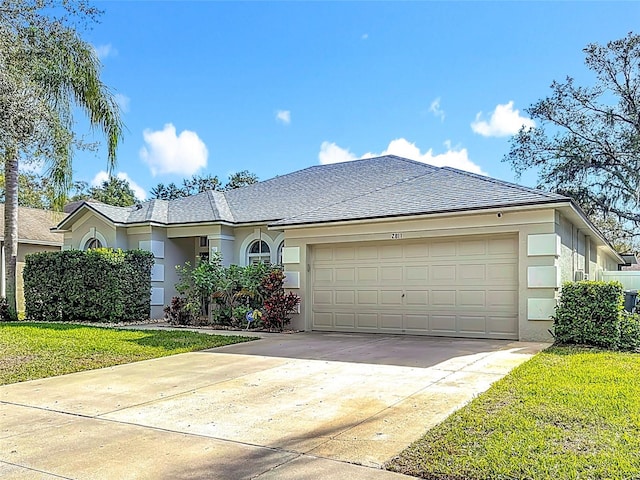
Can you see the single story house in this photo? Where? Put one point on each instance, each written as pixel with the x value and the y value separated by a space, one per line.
pixel 386 245
pixel 34 235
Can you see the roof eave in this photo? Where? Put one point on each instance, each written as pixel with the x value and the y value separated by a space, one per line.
pixel 439 213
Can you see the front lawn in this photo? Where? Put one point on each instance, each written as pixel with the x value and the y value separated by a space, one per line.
pixel 568 413
pixel 37 350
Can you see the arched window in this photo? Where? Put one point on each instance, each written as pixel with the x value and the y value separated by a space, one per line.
pixel 280 247
pixel 93 243
pixel 258 252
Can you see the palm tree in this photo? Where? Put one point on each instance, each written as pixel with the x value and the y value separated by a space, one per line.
pixel 50 70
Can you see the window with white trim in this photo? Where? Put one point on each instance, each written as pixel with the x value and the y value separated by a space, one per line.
pixel 93 243
pixel 279 257
pixel 258 252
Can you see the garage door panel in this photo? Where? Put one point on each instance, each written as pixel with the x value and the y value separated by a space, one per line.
pixel 450 286
pixel 499 326
pixel 323 254
pixel 367 274
pixel 345 319
pixel 502 298
pixel 344 253
pixel 503 246
pixel 416 297
pixel 391 273
pixel 391 321
pixel 391 297
pixel 472 298
pixel 475 324
pixel 323 297
pixel 472 247
pixel 472 273
pixel 367 320
pixel 416 250
pixel 417 323
pixel 345 297
pixel 322 319
pixel 367 297
pixel 322 276
pixel 345 275
pixel 443 298
pixel 391 251
pixel 367 253
pixel 502 272
pixel 443 323
pixel 416 273
pixel 442 249
pixel 443 274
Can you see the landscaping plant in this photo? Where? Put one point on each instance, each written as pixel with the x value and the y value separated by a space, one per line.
pixel 97 285
pixel 591 313
pixel 231 293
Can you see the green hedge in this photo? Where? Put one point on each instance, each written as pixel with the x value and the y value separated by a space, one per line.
pixel 590 313
pixel 100 285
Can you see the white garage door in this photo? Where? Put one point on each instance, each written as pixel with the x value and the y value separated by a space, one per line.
pixel 462 286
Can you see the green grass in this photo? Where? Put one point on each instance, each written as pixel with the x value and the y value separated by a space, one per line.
pixel 36 350
pixel 568 413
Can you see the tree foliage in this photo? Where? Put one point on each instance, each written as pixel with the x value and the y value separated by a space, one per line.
pixel 586 142
pixel 47 72
pixel 114 191
pixel 241 179
pixel 33 191
pixel 198 184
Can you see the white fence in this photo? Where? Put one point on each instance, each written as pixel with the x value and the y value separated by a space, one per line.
pixel 629 280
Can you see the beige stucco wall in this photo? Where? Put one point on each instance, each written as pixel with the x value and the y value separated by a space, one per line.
pixel 86 226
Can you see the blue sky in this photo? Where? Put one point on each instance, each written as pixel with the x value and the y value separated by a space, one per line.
pixel 217 87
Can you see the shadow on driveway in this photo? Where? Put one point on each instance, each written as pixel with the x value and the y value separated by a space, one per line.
pixel 397 350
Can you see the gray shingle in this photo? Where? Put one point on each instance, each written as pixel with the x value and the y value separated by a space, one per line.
pixel 372 188
pixel 443 190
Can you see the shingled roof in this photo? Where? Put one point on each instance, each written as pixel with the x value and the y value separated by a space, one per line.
pixel 34 226
pixel 387 186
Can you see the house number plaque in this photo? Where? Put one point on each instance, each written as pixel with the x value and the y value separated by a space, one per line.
pixel 396 236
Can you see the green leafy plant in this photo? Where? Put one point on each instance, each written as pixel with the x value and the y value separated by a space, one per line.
pixel 113 286
pixel 630 331
pixel 278 305
pixel 589 313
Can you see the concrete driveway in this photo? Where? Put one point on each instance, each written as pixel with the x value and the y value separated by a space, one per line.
pixel 297 406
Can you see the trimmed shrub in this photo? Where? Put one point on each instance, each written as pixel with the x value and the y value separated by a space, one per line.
pixel 589 313
pixel 99 285
pixel 630 331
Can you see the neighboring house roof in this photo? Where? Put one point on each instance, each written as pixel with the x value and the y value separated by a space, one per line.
pixel 34 226
pixel 371 188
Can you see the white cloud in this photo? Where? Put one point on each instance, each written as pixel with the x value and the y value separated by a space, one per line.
pixel 166 152
pixel 123 101
pixel 364 36
pixel 332 153
pixel 283 116
pixel 453 157
pixel 436 110
pixel 104 51
pixel 103 176
pixel 504 121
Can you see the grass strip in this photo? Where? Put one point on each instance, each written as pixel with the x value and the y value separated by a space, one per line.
pixel 568 413
pixel 29 351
